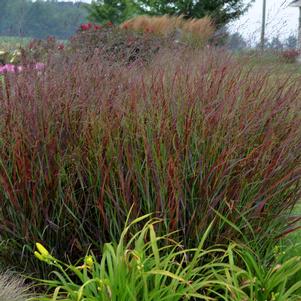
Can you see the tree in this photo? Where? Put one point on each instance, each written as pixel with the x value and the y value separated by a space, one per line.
pixel 291 42
pixel 39 21
pixel 222 11
pixel 275 44
pixel 115 11
pixel 236 41
pixel 13 14
pixel 40 18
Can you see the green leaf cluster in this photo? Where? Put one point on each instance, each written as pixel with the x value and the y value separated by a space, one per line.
pixel 143 266
pixel 222 11
pixel 115 11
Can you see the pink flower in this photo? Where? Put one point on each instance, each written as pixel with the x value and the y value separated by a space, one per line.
pixel 97 27
pixel 85 27
pixel 8 68
pixel 61 47
pixel 39 66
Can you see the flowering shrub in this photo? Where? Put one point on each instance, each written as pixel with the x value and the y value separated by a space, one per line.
pixel 85 27
pixel 40 50
pixel 117 45
pixel 10 68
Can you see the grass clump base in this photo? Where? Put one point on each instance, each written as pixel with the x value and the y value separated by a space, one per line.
pixel 12 288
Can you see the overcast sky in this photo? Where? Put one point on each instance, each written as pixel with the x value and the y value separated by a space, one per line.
pixel 281 20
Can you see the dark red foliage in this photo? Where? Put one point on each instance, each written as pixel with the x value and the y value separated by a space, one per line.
pixel 112 43
pixel 85 27
pixel 189 135
pixel 290 56
pixel 97 27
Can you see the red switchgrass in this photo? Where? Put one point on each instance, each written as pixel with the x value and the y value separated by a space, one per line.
pixel 190 135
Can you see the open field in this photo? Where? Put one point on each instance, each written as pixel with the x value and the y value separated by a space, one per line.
pixel 271 60
pixel 12 43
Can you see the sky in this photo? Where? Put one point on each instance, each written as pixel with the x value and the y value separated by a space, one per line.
pixel 281 20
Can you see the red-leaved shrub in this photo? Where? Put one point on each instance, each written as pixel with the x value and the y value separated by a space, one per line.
pixel 119 45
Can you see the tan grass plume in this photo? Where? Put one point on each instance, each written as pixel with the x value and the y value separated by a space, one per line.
pixel 197 28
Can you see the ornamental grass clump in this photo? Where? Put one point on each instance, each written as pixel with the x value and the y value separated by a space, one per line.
pixel 185 30
pixel 191 136
pixel 164 25
pixel 12 288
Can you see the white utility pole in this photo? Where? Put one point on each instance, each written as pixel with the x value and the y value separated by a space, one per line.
pixel 262 40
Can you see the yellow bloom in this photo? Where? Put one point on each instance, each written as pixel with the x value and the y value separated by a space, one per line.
pixel 89 261
pixel 38 255
pixel 42 250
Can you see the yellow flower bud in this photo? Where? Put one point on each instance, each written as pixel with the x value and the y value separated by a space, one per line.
pixel 39 256
pixel 42 250
pixel 89 261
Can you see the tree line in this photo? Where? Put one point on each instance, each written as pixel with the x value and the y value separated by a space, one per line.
pixel 40 19
pixel 116 11
pixel 236 41
pixel 43 18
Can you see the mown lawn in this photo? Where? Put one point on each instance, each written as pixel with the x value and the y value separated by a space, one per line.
pixel 11 43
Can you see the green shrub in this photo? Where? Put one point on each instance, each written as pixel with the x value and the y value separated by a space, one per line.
pixel 142 267
pixel 110 43
pixel 257 279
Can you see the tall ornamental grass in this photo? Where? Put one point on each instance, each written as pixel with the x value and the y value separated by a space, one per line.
pixel 191 136
pixel 201 30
